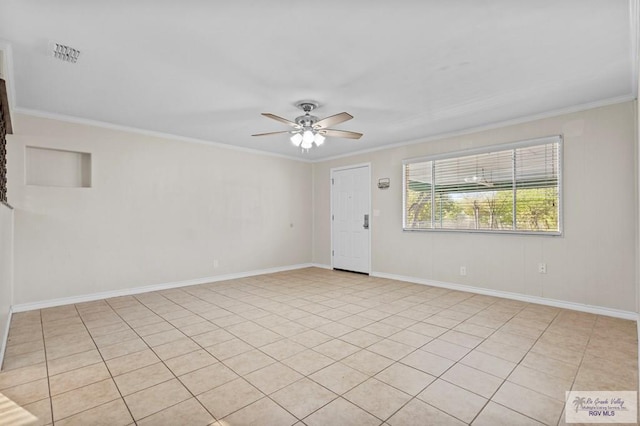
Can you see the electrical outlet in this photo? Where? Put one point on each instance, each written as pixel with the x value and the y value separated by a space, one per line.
pixel 542 268
pixel 216 263
pixel 463 271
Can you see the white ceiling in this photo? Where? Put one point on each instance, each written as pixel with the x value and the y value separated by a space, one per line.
pixel 405 70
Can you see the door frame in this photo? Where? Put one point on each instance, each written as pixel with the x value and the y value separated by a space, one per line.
pixel 337 169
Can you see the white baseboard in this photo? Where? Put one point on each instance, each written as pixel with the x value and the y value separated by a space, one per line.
pixel 599 310
pixel 5 338
pixel 155 287
pixel 23 307
pixel 321 266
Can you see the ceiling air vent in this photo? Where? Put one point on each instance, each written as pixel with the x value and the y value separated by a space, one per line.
pixel 65 53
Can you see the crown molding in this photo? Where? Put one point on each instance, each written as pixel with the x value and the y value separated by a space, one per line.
pixel 470 130
pixel 491 126
pixel 153 133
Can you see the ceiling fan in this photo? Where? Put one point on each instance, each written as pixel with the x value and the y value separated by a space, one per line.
pixel 309 130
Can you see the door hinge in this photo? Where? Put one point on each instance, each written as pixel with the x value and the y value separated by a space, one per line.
pixel 332 218
pixel 332 181
pixel 332 253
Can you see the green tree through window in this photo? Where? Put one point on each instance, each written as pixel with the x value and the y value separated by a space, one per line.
pixel 513 189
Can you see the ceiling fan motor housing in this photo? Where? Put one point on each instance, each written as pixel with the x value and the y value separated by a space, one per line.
pixel 307 120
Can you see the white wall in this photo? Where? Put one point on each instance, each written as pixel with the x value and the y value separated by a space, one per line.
pixel 594 262
pixel 6 268
pixel 158 211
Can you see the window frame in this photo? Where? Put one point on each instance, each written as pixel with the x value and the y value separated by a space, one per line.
pixel 485 150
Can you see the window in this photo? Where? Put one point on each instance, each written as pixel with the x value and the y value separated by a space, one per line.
pixel 508 188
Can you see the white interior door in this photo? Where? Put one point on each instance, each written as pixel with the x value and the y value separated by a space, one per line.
pixel 350 230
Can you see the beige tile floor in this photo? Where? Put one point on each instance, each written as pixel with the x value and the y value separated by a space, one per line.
pixel 312 347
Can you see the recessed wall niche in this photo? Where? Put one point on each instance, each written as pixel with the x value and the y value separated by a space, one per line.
pixel 56 167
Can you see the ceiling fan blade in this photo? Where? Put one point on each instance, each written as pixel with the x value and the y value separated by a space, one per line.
pixel 271 133
pixel 340 134
pixel 332 120
pixel 280 119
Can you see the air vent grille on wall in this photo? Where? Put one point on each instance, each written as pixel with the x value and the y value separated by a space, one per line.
pixel 65 53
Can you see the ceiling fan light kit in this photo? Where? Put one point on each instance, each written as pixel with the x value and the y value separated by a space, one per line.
pixel 307 139
pixel 309 130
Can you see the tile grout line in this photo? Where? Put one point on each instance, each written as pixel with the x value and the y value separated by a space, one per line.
pixel 163 363
pixel 439 377
pixel 240 376
pixel 260 298
pixel 502 327
pixel 579 365
pixel 490 399
pixel 106 366
pixel 415 350
pixel 395 361
pixel 584 351
pixel 279 361
pixel 46 366
pixel 151 309
pixel 222 362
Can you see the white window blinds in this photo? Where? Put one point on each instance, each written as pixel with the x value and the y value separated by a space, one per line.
pixel 511 188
